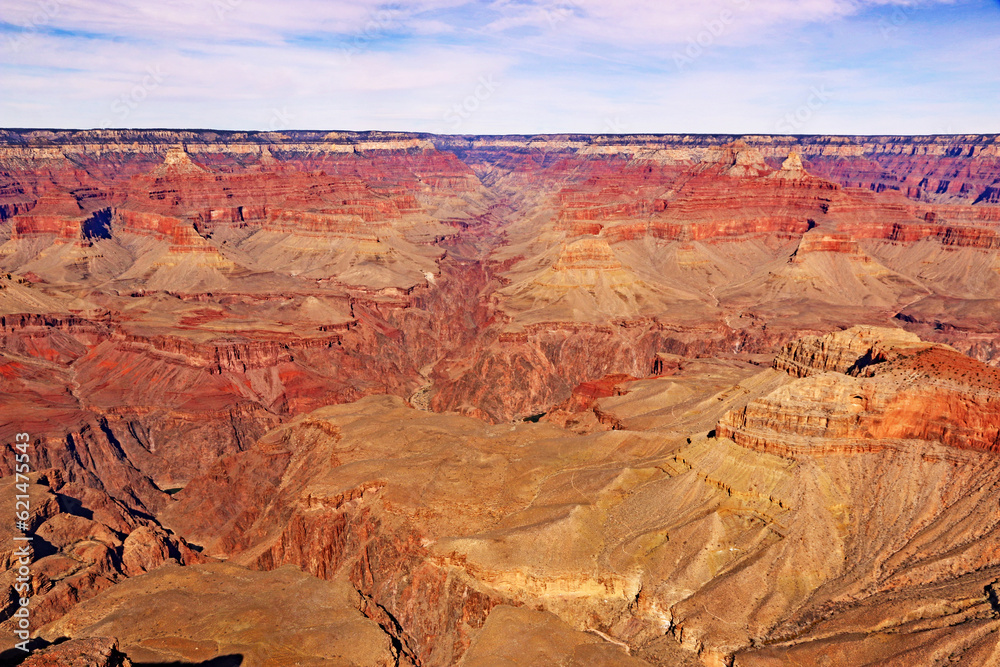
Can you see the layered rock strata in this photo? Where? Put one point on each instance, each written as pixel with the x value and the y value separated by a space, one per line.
pixel 863 386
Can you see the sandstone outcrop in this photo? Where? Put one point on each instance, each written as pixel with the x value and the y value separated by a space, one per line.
pixel 156 619
pixel 863 386
pixel 738 160
pixel 96 652
pixel 792 168
pixel 843 351
pixel 514 636
pixel 83 542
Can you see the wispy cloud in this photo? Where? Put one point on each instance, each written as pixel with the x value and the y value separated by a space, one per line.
pixel 565 65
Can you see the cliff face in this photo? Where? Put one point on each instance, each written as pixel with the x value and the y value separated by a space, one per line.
pixel 929 168
pixel 938 168
pixel 863 386
pixel 84 542
pixel 705 243
pixel 646 533
pixel 846 352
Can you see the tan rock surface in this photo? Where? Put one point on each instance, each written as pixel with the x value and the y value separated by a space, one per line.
pixel 882 385
pixel 202 612
pixel 633 534
pixel 514 636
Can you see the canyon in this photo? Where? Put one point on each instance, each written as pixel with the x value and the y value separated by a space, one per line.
pixel 566 399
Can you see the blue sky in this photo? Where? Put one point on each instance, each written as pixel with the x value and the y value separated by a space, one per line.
pixel 505 66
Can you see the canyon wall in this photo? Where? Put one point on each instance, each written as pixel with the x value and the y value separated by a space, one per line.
pixel 478 383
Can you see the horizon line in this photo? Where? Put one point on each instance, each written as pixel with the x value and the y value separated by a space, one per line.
pixel 418 134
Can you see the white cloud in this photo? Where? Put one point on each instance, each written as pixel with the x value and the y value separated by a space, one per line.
pixel 622 21
pixel 565 65
pixel 631 23
pixel 184 21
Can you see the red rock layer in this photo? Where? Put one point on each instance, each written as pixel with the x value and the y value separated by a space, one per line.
pixel 710 203
pixel 97 652
pixel 905 391
pixel 838 243
pixel 57 212
pixel 261 508
pixel 930 168
pixel 957 235
pixel 586 255
pixel 517 374
pixel 84 542
pixel 671 203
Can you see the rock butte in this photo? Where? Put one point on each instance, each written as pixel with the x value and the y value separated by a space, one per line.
pixel 399 399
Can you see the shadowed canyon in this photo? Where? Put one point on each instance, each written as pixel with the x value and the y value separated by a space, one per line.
pixel 359 399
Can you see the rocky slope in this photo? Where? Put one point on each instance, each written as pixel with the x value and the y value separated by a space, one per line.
pixel 320 624
pixel 84 541
pixel 97 652
pixel 740 549
pixel 628 338
pixel 864 385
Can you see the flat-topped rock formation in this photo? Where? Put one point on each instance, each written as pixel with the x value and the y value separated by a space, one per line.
pixel 791 169
pixel 739 160
pixel 843 351
pixel 862 386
